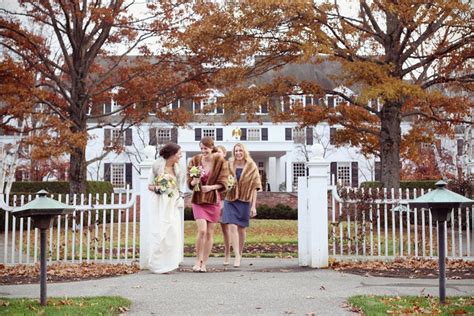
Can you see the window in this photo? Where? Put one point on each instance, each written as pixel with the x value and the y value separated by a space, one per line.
pixel 299 170
pixel 344 173
pixel 117 137
pixel 205 105
pixel 163 135
pixel 299 135
pixel 262 109
pixel 117 175
pixel 209 132
pixel 253 134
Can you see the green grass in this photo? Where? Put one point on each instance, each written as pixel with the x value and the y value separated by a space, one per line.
pixel 409 305
pixel 102 305
pixel 260 231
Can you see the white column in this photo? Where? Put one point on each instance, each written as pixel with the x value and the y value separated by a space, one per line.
pixel 289 172
pixel 278 177
pixel 318 209
pixel 145 169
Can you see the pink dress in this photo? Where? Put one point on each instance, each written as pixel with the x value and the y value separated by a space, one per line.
pixel 209 212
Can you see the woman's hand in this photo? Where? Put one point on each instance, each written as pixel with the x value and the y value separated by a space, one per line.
pixel 253 211
pixel 151 187
pixel 207 188
pixel 194 181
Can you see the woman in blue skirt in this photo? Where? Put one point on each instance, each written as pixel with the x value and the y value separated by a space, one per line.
pixel 241 198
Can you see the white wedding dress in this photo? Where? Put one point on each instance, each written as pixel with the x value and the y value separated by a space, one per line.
pixel 166 250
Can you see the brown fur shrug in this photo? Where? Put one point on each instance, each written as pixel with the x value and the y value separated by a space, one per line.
pixel 248 184
pixel 219 174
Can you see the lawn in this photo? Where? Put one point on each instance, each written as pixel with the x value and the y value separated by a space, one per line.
pixel 102 305
pixel 409 305
pixel 261 232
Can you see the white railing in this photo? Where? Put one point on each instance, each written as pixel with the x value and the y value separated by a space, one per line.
pixel 379 223
pixel 101 228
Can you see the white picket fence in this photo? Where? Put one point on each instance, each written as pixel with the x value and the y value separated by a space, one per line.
pixel 101 229
pixel 379 223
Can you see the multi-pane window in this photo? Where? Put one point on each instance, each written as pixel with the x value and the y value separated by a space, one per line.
pixel 299 170
pixel 206 105
pixel 299 135
pixel 163 135
pixel 117 175
pixel 344 173
pixel 253 134
pixel 117 137
pixel 209 132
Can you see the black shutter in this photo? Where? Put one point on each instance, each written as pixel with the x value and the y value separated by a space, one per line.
pixel 175 104
pixel 460 143
pixel 331 101
pixel 107 135
pixel 243 134
pixel 334 172
pixel 152 136
pixel 219 134
pixel 129 174
pixel 309 136
pixel 174 135
pixel 308 100
pixel 197 133
pixel 355 174
pixel 107 172
pixel 332 135
pixel 288 133
pixel 128 137
pixel 264 133
pixel 378 171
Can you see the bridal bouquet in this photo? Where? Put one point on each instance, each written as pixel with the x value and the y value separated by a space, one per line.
pixel 196 172
pixel 230 182
pixel 165 184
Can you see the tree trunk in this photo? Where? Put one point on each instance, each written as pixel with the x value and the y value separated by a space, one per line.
pixel 78 171
pixel 390 139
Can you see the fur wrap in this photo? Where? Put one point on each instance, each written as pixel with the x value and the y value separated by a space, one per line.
pixel 248 184
pixel 219 174
pixel 158 168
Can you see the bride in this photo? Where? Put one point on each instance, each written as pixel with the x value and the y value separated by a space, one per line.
pixel 166 230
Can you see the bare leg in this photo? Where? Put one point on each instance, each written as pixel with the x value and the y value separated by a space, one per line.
pixel 234 239
pixel 242 235
pixel 225 234
pixel 209 240
pixel 200 242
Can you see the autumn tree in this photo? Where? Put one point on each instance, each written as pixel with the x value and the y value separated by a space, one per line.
pixel 83 54
pixel 402 61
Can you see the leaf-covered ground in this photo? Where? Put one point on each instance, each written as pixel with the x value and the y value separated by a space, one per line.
pixel 412 268
pixel 59 272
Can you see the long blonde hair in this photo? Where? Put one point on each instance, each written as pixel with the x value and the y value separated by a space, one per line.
pixel 247 156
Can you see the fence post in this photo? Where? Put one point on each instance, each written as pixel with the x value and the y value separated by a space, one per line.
pixel 318 208
pixel 145 169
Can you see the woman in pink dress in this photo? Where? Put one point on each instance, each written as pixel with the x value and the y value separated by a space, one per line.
pixel 206 201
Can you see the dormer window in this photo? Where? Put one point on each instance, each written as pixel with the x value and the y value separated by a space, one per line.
pixel 206 104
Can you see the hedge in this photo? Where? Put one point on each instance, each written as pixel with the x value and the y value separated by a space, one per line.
pixel 60 187
pixel 404 184
pixel 264 211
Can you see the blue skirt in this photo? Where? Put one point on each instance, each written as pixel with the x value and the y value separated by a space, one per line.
pixel 236 212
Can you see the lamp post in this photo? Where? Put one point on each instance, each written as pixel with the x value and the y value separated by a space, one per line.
pixel 441 201
pixel 42 210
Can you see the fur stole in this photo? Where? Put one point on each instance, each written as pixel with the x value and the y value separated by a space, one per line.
pixel 219 174
pixel 158 168
pixel 249 182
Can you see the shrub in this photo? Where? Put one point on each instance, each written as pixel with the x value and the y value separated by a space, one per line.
pixel 60 187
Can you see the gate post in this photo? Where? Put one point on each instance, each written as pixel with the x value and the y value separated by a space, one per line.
pixel 318 209
pixel 145 169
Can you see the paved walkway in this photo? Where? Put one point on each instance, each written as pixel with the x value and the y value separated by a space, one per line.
pixel 260 286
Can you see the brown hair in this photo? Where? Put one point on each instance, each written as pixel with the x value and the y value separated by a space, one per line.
pixel 222 148
pixel 169 150
pixel 208 142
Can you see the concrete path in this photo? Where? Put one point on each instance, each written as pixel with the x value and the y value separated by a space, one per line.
pixel 260 286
